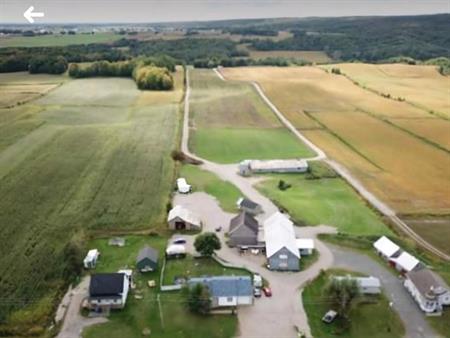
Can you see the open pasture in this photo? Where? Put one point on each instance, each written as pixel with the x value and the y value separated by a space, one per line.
pixel 58 40
pixel 421 85
pixel 229 123
pixel 80 169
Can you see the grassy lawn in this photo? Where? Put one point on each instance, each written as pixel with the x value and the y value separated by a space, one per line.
pixel 441 324
pixel 373 318
pixel 232 145
pixel 58 40
pixel 226 193
pixel 197 267
pixel 324 201
pixel 230 122
pixel 144 313
pixel 90 156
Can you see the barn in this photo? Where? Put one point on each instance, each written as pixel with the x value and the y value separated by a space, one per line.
pixel 181 218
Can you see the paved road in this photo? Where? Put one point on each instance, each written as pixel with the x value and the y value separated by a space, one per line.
pixel 355 183
pixel 414 320
pixel 269 317
pixel 74 322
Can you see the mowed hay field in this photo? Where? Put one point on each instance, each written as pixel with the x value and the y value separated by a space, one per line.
pixel 310 56
pixel 229 122
pixel 99 160
pixel 354 126
pixel 421 85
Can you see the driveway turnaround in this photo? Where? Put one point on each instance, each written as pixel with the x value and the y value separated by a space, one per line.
pixel 413 318
pixel 268 317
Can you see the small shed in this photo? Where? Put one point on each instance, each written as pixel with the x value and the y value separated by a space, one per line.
pixel 147 260
pixel 386 248
pixel 366 285
pixel 249 206
pixel 90 261
pixel 181 218
pixel 182 186
pixel 405 262
pixel 305 246
pixel 117 241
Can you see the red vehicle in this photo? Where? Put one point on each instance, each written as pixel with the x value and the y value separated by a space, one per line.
pixel 267 291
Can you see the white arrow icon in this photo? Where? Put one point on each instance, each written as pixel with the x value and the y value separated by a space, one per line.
pixel 29 15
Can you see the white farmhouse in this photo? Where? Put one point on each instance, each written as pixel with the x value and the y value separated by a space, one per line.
pixel 427 290
pixel 108 291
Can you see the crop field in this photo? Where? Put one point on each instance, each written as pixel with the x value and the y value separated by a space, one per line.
pixel 230 123
pixel 58 40
pixel 421 85
pixel 22 87
pixel 310 56
pixel 400 163
pixel 97 159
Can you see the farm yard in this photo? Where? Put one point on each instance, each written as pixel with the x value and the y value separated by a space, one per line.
pixel 230 122
pixel 96 159
pixel 371 145
pixel 420 85
pixel 174 320
pixel 58 40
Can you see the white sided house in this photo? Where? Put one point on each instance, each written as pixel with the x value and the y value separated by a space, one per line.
pixel 181 218
pixel 429 292
pixel 90 261
pixel 281 246
pixel 249 167
pixel 386 248
pixel 108 291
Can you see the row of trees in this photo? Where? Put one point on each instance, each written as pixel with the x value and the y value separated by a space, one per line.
pixel 102 68
pixel 48 65
pixel 242 62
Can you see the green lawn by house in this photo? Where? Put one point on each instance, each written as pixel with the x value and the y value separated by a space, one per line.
pixel 176 321
pixel 371 317
pixel 226 193
pixel 197 267
pixel 324 201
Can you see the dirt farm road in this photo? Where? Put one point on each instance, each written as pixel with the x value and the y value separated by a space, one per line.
pixel 343 172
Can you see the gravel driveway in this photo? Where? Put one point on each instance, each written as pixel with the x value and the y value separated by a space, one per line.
pixel 268 317
pixel 414 320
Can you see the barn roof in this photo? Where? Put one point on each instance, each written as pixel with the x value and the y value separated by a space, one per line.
pixel 386 246
pixel 279 233
pixel 185 214
pixel 246 203
pixel 278 164
pixel 147 252
pixel 243 219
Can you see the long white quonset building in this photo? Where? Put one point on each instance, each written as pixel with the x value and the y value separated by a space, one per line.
pixel 249 167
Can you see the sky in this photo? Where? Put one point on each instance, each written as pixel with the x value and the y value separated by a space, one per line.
pixel 103 11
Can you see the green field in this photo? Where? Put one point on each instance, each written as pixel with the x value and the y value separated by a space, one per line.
pixel 58 40
pixel 230 122
pixel 139 314
pixel 94 157
pixel 197 267
pixel 327 201
pixel 226 193
pixel 371 318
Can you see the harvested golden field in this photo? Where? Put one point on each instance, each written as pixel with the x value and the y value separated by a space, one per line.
pixel 22 87
pixel 421 85
pixel 435 130
pixel 409 174
pixel 310 56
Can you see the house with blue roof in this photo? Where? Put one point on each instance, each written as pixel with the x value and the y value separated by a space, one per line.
pixel 227 291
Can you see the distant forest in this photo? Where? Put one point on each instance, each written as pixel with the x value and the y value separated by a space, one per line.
pixel 368 39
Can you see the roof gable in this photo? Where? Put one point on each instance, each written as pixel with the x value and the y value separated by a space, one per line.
pixel 106 284
pixel 184 214
pixel 279 233
pixel 244 219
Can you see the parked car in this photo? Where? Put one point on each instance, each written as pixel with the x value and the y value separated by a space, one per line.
pixel 179 240
pixel 218 229
pixel 257 280
pixel 329 316
pixel 257 292
pixel 267 291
